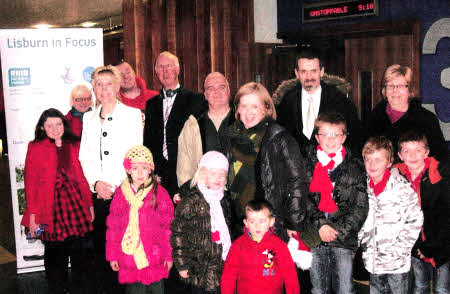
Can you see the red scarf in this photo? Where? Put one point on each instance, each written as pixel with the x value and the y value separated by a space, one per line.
pixel 378 188
pixel 321 183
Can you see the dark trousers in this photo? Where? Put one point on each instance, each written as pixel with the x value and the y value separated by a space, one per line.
pixel 139 288
pixel 107 279
pixel 197 290
pixel 56 260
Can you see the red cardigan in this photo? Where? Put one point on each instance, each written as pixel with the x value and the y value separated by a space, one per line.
pixel 75 124
pixel 252 271
pixel 41 165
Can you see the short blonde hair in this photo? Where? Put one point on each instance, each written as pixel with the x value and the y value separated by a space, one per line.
pixel 77 90
pixel 378 143
pixel 108 69
pixel 260 91
pixel 169 55
pixel 395 71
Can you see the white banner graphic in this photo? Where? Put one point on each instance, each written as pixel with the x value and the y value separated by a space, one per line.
pixel 39 69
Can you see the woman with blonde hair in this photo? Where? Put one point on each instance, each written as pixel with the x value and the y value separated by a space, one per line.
pixel 108 132
pixel 81 102
pixel 400 111
pixel 265 160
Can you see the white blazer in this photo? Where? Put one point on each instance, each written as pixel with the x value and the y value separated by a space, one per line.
pixel 103 147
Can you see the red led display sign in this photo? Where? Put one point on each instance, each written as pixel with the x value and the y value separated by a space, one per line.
pixel 335 10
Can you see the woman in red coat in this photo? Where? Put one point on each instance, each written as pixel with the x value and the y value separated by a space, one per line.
pixel 81 101
pixel 58 200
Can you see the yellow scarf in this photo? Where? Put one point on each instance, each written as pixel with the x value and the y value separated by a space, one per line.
pixel 131 241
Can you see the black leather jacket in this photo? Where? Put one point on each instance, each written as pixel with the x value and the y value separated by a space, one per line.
pixel 350 195
pixel 280 178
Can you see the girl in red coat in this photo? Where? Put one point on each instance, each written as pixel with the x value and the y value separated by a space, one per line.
pixel 59 200
pixel 137 239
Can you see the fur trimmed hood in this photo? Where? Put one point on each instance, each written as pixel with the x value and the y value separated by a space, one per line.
pixel 342 85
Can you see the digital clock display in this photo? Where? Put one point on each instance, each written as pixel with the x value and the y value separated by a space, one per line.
pixel 336 10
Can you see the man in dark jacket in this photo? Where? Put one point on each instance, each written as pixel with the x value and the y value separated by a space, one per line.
pixel 203 133
pixel 300 106
pixel 165 117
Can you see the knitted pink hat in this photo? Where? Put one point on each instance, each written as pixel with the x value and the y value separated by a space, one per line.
pixel 214 159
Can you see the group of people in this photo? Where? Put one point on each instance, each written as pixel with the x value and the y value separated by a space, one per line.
pixel 247 178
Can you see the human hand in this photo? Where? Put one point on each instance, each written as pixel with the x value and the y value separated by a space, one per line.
pixel 114 265
pixel 327 233
pixel 176 198
pixel 168 264
pixel 91 210
pixel 291 233
pixel 184 274
pixel 104 190
pixel 33 226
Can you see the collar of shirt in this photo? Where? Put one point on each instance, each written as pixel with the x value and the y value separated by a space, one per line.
pixel 171 98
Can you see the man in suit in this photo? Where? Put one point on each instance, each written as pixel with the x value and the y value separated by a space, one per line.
pixel 165 117
pixel 301 104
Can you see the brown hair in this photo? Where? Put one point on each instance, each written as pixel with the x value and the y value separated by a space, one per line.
pixel 413 135
pixel 332 118
pixel 378 143
pixel 395 71
pixel 260 91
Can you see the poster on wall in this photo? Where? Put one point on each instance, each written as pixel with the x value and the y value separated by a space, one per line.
pixel 39 69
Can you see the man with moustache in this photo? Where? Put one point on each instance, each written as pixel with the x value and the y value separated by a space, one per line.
pixel 133 91
pixel 165 117
pixel 300 106
pixel 203 133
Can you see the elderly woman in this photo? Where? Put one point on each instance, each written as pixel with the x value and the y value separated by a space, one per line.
pixel 108 132
pixel 265 160
pixel 400 112
pixel 81 102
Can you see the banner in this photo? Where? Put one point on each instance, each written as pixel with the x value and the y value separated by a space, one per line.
pixel 39 69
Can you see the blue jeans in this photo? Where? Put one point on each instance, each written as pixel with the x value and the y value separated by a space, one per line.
pixel 389 283
pixel 424 273
pixel 332 268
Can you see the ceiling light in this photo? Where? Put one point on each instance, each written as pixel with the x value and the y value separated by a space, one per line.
pixel 42 26
pixel 88 24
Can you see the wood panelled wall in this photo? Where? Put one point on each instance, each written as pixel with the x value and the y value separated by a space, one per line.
pixel 206 35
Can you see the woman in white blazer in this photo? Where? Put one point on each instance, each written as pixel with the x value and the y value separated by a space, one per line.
pixel 108 132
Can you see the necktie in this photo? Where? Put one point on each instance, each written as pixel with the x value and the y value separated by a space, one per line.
pixel 309 126
pixel 167 110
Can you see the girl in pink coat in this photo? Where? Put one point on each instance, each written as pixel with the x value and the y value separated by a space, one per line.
pixel 137 239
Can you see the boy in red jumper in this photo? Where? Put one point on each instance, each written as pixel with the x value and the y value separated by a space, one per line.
pixel 259 262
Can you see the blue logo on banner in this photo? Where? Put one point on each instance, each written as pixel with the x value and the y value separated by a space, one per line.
pixel 19 77
pixel 87 73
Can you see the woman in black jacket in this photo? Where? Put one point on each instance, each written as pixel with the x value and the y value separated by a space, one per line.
pixel 265 160
pixel 400 112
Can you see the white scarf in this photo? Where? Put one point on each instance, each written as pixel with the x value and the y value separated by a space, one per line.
pixel 218 223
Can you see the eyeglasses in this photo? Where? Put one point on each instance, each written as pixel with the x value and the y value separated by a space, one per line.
pixel 332 135
pixel 162 66
pixel 81 99
pixel 398 87
pixel 220 88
